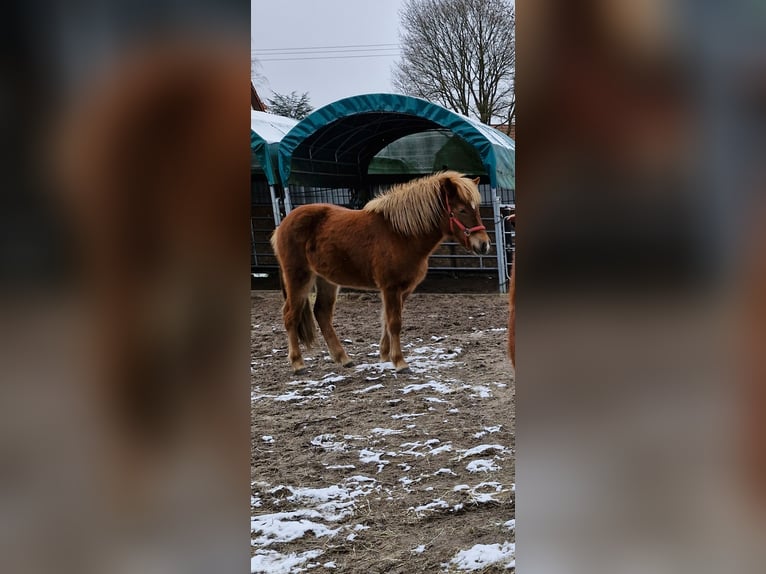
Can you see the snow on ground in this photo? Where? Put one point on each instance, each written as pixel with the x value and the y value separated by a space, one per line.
pixel 482 465
pixel 480 556
pixel 272 562
pixel 335 513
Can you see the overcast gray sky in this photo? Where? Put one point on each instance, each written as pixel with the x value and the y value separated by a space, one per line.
pixel 329 48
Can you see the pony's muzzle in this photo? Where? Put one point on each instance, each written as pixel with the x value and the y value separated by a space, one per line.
pixel 480 245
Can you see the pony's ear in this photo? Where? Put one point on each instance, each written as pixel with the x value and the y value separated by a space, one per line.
pixel 477 180
pixel 449 189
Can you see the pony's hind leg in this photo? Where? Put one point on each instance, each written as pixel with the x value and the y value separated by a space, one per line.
pixel 323 311
pixel 299 323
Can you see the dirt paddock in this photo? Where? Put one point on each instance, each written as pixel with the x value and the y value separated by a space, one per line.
pixel 363 470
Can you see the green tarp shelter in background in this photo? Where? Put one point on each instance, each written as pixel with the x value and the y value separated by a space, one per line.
pixel 424 153
pixel 336 144
pixel 266 131
pixel 345 143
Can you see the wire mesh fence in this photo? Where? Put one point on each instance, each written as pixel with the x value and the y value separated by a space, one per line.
pixel 449 257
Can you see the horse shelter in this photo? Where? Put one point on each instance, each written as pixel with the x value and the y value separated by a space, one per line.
pixel 266 130
pixel 352 149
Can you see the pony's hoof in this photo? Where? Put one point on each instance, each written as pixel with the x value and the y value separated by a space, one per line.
pixel 299 371
pixel 348 364
pixel 403 371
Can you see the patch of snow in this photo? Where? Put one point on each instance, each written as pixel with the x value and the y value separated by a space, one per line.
pixel 481 556
pixel 479 391
pixel 446 447
pixel 421 350
pixel 287 526
pixel 434 386
pixel 354 437
pixel 385 432
pixel 368 389
pixel 446 471
pixel 272 562
pixel 482 448
pixel 481 465
pixel 328 443
pixel 368 456
pixel 411 446
pixel 267 438
pixel 486 430
pixel 379 367
pixel 407 416
pixel 291 396
pixel 360 478
pixel 333 378
pixel 419 549
pixel 433 505
pixel 510 524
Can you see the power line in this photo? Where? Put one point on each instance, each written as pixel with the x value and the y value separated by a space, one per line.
pixel 316 52
pixel 326 57
pixel 258 50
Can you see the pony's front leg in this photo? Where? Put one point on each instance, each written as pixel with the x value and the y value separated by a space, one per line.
pixel 393 301
pixel 385 341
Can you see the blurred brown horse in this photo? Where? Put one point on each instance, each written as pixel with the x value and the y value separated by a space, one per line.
pixel 154 173
pixel 384 246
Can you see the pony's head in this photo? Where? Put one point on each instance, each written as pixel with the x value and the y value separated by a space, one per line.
pixel 446 202
pixel 461 199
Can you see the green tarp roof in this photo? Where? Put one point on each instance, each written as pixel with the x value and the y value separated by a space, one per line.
pixel 266 131
pixel 336 144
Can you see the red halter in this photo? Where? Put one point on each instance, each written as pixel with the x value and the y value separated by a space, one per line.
pixel 452 219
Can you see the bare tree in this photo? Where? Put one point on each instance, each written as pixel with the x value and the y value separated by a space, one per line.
pixel 461 54
pixel 256 73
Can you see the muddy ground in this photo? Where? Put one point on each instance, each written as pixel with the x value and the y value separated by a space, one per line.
pixel 363 470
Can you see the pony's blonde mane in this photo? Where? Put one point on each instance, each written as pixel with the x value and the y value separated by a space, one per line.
pixel 416 207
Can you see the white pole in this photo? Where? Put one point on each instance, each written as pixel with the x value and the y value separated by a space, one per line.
pixel 288 203
pixel 502 267
pixel 275 206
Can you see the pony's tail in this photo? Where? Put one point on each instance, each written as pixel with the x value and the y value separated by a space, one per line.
pixel 306 329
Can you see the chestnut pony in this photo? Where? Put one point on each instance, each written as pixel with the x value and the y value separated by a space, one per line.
pixel 384 246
